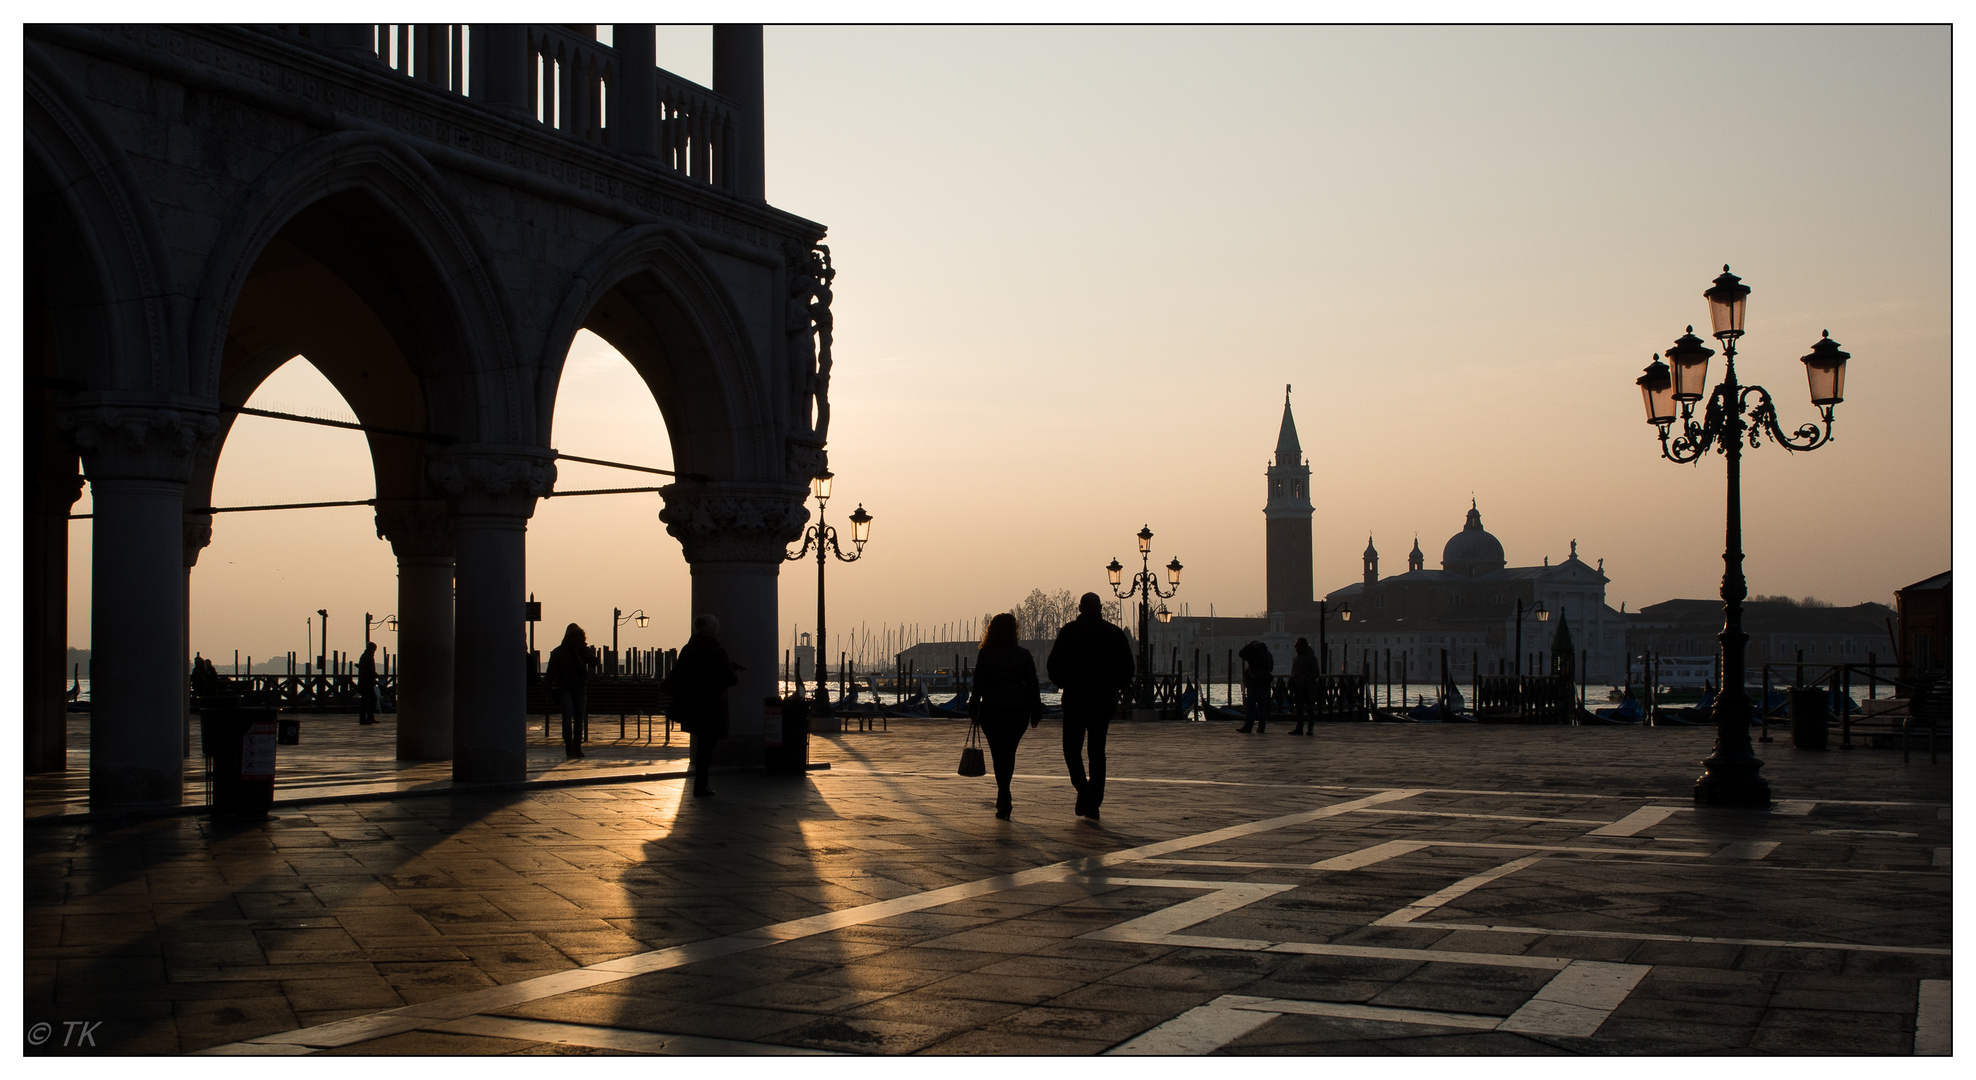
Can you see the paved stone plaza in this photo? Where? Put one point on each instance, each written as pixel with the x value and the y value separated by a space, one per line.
pixel 1374 889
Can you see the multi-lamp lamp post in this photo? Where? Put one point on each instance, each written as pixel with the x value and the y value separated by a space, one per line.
pixel 824 538
pixel 1145 585
pixel 1732 774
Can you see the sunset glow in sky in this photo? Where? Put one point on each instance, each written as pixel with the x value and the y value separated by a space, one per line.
pixel 1076 267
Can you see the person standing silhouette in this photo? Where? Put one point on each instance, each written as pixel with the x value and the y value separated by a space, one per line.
pixel 1303 688
pixel 1257 664
pixel 1091 663
pixel 568 676
pixel 698 685
pixel 367 684
pixel 1005 695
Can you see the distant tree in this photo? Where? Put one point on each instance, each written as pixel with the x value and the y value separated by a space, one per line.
pixel 1041 614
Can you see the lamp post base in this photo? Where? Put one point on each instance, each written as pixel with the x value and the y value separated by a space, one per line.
pixel 1728 782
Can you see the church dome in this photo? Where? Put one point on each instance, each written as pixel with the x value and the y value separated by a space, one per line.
pixel 1473 550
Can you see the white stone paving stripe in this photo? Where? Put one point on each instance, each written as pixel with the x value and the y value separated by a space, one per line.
pixel 1485 817
pixel 1454 892
pixel 1161 928
pixel 1933 1019
pixel 1747 849
pixel 1343 1011
pixel 610 1038
pixel 1197 1031
pixel 1796 807
pixel 1646 817
pixel 405 1018
pixel 1577 1000
pixel 1620 935
pixel 1394 848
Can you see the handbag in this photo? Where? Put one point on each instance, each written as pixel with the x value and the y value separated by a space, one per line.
pixel 971 759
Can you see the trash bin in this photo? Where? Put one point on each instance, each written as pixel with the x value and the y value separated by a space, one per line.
pixel 1811 718
pixel 786 735
pixel 240 752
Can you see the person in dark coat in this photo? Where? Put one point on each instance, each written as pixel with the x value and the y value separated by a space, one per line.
pixel 698 685
pixel 568 677
pixel 1303 688
pixel 1091 663
pixel 1005 696
pixel 367 684
pixel 1257 664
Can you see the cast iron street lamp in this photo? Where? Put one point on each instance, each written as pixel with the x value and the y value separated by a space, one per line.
pixel 1147 588
pixel 1732 775
pixel 389 621
pixel 1543 615
pixel 1324 650
pixel 822 537
pixel 619 618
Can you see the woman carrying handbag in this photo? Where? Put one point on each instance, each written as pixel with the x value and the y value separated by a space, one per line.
pixel 1005 701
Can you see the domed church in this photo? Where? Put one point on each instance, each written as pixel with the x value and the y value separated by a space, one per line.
pixel 1466 608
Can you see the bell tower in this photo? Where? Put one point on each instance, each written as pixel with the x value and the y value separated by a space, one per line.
pixel 1287 513
pixel 1371 563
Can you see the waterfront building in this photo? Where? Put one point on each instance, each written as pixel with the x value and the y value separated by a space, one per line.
pixel 1466 608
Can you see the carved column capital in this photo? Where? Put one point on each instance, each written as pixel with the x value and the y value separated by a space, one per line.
pixel 499 481
pixel 139 441
pixel 415 526
pixel 197 533
pixel 734 522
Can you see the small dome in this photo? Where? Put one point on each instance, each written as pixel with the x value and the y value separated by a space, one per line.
pixel 1473 550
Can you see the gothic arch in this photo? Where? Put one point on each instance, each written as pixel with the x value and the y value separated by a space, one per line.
pixel 453 321
pixel 96 256
pixel 651 294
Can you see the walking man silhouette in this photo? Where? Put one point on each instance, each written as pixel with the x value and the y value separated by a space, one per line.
pixel 1091 663
pixel 1257 663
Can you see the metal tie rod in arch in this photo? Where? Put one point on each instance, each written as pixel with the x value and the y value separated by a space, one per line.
pixel 428 437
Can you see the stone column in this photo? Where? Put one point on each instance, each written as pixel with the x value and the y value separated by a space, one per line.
pixel 734 535
pixel 635 108
pixel 137 458
pixel 45 614
pixel 492 492
pixel 421 535
pixel 738 76
pixel 195 533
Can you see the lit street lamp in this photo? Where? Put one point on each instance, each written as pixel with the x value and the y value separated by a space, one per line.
pixel 389 621
pixel 1324 650
pixel 1732 774
pixel 1145 585
pixel 1543 615
pixel 619 618
pixel 824 538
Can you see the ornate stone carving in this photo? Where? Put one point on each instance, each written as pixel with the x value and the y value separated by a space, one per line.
pixel 503 481
pixel 415 526
pixel 734 522
pixel 197 534
pixel 137 442
pixel 809 323
pixel 804 458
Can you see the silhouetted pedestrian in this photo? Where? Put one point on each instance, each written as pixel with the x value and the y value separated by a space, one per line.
pixel 205 677
pixel 1091 663
pixel 1303 688
pixel 569 676
pixel 1256 667
pixel 698 685
pixel 367 684
pixel 1005 695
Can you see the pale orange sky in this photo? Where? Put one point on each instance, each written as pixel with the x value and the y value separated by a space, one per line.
pixel 1077 265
